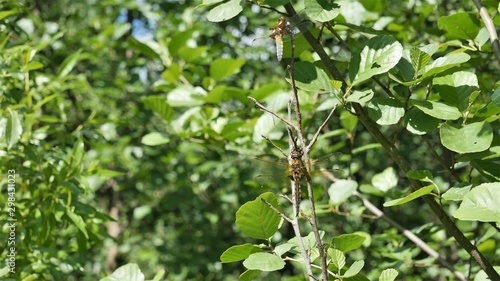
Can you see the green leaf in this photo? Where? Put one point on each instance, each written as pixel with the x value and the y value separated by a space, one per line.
pixel 255 219
pixel 160 106
pixel 186 96
pixel 321 10
pixel 311 78
pixel 456 89
pixel 437 110
pixel 489 169
pixel 155 138
pixel 414 195
pixel 337 258
pixel 380 55
pixel 419 123
pixel 388 275
pixel 386 180
pixel 495 97
pixel 68 64
pixel 419 59
pixel 264 262
pixel 482 203
pixel 361 97
pixel 78 221
pixel 385 111
pixel 460 25
pixel 457 193
pixel 225 11
pixel 341 190
pixel 225 67
pixel 239 252
pixel 443 63
pixel 143 48
pixel 128 272
pixel 354 269
pixel 421 175
pixel 11 128
pixel 249 275
pixel 347 242
pixel 469 138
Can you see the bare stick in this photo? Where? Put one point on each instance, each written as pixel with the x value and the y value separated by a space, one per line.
pixel 316 135
pixel 262 107
pixel 277 147
pixel 276 210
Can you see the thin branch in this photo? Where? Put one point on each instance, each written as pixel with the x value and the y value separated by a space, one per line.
pixel 263 108
pixel 275 146
pixel 488 23
pixel 415 239
pixel 316 135
pixel 276 210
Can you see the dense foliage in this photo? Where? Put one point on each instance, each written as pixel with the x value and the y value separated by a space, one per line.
pixel 128 138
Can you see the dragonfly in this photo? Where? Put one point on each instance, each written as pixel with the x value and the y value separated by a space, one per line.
pixel 283 27
pixel 296 171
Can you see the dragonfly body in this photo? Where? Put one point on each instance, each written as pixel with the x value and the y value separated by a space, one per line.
pixel 279 30
pixel 297 171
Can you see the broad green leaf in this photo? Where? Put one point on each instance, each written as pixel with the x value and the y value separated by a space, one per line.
pixel 419 123
pixel 321 10
pixel 341 190
pixel 347 242
pixel 482 203
pixel 256 219
pixel 11 128
pixel 155 138
pixel 189 54
pixel 4 14
pixel 68 64
pixel 264 262
pixel 78 221
pixel 419 59
pixel 421 175
pixel 460 25
pixel 386 180
pixel 487 168
pixel 249 275
pixel 225 67
pixel 160 106
pixel 128 272
pixel 337 258
pixel 443 63
pixel 436 109
pixel 495 97
pixel 456 89
pixel 361 97
pixel 457 193
pixel 239 252
pixel 469 138
pixel 354 269
pixel 385 111
pixel 414 195
pixel 208 3
pixel 225 11
pixel 311 78
pixel 143 48
pixel 380 55
pixel 388 275
pixel 222 93
pixel 186 96
pixel 348 120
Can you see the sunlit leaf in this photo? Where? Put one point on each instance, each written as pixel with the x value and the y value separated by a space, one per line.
pixel 239 252
pixel 414 195
pixel 469 138
pixel 380 55
pixel 256 219
pixel 264 262
pixel 482 203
